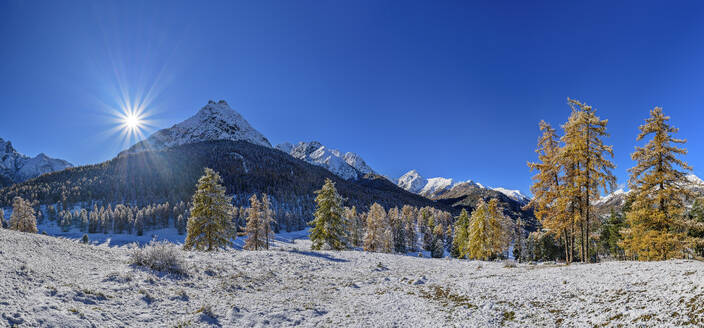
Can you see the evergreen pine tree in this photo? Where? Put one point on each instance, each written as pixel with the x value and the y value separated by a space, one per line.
pixel 23 217
pixel 398 227
pixel 656 224
pixel 209 226
pixel 696 220
pixel 408 213
pixel 328 225
pixel 438 250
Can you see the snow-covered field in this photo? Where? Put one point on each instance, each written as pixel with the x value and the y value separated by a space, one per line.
pixel 48 281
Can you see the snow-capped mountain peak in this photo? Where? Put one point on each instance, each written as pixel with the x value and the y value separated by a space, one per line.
pixel 412 181
pixel 347 166
pixel 513 194
pixel 695 179
pixel 16 167
pixel 215 121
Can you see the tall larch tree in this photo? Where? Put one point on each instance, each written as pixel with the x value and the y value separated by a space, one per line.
pixel 267 219
pixel 209 226
pixel 501 228
pixel 328 223
pixel 23 217
pixel 378 234
pixel 460 241
pixel 656 224
pixel 585 158
pixel 479 233
pixel 548 201
pixel 255 234
pixel 355 226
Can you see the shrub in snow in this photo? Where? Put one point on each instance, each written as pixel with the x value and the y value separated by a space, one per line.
pixel 160 256
pixel 85 239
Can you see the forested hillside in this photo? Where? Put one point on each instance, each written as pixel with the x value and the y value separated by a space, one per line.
pixel 170 176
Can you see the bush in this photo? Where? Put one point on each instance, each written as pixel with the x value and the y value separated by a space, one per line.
pixel 160 256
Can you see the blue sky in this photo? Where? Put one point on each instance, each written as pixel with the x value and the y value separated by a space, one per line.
pixel 451 89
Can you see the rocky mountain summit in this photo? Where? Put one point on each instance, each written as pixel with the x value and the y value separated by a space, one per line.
pixel 215 121
pixel 16 167
pixel 347 166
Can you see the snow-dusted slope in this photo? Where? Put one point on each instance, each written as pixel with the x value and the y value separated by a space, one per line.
pixel 513 194
pixel 412 181
pixel 347 166
pixel 50 282
pixel 17 167
pixel 215 121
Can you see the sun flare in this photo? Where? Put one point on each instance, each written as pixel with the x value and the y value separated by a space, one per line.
pixel 132 121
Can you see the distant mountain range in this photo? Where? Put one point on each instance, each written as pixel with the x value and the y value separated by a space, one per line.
pixel 166 166
pixel 617 199
pixel 434 187
pixel 16 167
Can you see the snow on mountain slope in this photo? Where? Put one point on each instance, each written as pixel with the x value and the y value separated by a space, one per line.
pixel 436 185
pixel 17 167
pixel 215 121
pixel 412 181
pixel 53 282
pixel 513 194
pixel 347 166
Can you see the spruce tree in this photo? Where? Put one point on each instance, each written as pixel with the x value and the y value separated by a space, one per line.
pixel 209 226
pixel 23 217
pixel 696 220
pixel 408 213
pixel 328 225
pixel 656 223
pixel 398 230
pixel 460 242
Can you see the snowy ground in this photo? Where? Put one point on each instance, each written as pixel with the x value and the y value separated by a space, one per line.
pixel 48 281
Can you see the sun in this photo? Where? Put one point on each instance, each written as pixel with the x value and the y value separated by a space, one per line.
pixel 132 121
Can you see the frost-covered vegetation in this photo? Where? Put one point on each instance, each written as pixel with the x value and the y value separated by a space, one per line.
pixel 48 281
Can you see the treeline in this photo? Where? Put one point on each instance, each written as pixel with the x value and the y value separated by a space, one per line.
pixel 574 168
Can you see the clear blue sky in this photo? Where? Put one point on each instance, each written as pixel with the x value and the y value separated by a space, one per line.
pixel 451 89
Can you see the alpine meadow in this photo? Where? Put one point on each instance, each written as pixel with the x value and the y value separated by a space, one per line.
pixel 562 141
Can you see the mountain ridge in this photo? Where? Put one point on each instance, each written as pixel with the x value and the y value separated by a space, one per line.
pixel 16 167
pixel 214 121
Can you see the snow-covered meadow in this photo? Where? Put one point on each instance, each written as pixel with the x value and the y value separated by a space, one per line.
pixel 49 281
